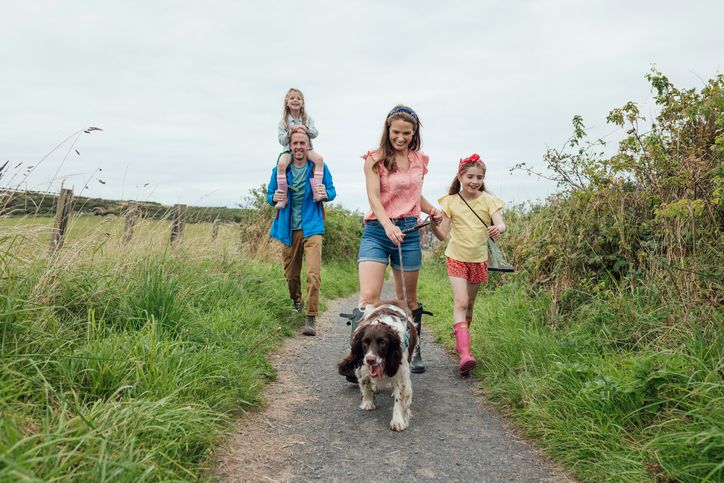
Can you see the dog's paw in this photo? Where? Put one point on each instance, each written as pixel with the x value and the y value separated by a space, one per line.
pixel 367 405
pixel 399 424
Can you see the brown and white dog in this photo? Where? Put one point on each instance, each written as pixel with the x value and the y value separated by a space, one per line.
pixel 382 347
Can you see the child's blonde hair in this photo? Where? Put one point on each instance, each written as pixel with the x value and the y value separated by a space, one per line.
pixel 287 112
pixel 472 161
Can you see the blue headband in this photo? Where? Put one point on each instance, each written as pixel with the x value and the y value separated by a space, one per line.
pixel 406 110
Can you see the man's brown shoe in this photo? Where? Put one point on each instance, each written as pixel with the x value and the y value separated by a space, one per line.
pixel 309 326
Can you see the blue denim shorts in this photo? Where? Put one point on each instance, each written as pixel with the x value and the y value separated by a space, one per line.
pixel 376 247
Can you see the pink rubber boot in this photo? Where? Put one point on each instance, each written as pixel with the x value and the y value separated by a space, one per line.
pixel 282 203
pixel 462 347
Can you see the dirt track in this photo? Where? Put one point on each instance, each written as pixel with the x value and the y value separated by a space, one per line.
pixel 312 428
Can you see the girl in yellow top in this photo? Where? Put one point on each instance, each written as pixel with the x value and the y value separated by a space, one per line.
pixel 467 250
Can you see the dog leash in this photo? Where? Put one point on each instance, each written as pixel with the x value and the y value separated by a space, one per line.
pixel 399 254
pixel 417 227
pixel 402 276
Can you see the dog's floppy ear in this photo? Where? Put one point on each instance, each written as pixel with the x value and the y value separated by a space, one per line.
pixel 394 352
pixel 353 360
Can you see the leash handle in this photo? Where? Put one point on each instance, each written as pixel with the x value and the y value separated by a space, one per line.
pixel 399 253
pixel 417 227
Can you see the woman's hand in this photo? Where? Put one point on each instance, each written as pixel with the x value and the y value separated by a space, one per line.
pixel 394 233
pixel 279 195
pixel 494 231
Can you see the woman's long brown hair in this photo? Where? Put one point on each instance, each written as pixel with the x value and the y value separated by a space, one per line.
pixel 388 152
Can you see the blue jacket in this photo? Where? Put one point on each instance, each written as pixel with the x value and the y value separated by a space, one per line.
pixel 312 213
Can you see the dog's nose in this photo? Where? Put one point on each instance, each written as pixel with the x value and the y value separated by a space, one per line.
pixel 371 360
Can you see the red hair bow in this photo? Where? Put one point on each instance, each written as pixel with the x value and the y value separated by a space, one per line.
pixel 473 158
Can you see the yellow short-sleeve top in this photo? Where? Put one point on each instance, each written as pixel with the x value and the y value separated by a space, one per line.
pixel 468 236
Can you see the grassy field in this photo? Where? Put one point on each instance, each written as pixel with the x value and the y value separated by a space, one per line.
pixel 21 203
pixel 607 345
pixel 126 362
pixel 96 233
pixel 605 404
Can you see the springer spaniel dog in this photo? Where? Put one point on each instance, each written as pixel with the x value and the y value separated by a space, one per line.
pixel 382 347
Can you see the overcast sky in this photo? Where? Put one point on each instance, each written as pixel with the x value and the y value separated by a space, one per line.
pixel 189 94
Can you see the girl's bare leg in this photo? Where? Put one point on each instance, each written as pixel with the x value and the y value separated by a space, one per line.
pixel 282 165
pixel 462 289
pixel 473 289
pixel 464 294
pixel 318 161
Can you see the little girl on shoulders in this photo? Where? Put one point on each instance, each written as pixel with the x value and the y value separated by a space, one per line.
pixel 294 115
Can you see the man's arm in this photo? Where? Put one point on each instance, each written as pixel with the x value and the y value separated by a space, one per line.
pixel 271 187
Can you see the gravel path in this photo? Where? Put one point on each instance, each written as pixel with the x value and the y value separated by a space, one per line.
pixel 312 428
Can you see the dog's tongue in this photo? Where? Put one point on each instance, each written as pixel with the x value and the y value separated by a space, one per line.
pixel 376 371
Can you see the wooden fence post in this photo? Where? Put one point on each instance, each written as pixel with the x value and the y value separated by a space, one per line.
pixel 62 213
pixel 215 230
pixel 179 222
pixel 131 216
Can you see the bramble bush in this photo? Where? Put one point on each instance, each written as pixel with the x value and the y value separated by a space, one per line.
pixel 651 212
pixel 607 344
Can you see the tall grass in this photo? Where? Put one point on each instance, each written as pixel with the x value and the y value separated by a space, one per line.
pixel 127 362
pixel 605 403
pixel 608 344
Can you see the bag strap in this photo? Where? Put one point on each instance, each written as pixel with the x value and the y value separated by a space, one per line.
pixel 471 209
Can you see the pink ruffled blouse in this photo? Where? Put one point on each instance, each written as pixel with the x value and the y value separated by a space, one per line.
pixel 400 191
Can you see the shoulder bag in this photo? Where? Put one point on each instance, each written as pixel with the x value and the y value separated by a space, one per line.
pixel 496 259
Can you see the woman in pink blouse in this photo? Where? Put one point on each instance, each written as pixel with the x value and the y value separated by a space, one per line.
pixel 394 174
